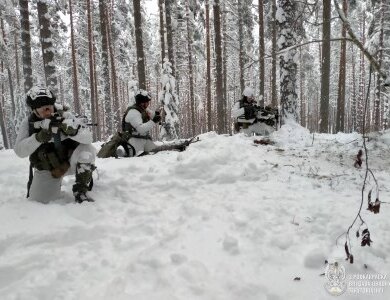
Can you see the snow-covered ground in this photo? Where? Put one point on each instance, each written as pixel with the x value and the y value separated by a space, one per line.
pixel 225 219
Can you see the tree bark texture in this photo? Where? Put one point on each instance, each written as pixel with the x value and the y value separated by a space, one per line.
pixel 261 51
pixel 325 67
pixel 208 68
pixel 26 44
pixel 342 73
pixel 218 57
pixel 105 69
pixel 288 65
pixel 76 98
pixel 47 46
pixel 274 90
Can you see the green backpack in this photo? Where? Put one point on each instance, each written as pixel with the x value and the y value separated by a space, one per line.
pixel 110 148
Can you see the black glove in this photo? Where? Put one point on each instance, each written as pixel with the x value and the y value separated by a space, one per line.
pixel 43 136
pixel 68 129
pixel 249 112
pixel 156 118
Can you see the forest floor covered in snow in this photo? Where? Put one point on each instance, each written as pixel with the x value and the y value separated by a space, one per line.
pixel 224 220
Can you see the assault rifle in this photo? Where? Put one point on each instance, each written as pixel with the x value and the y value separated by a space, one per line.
pixel 181 146
pixel 56 119
pixel 55 122
pixel 267 115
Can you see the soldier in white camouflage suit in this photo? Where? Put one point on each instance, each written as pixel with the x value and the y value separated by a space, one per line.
pixel 247 116
pixel 57 144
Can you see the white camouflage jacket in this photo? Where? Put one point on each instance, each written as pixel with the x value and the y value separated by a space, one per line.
pixel 26 145
pixel 134 117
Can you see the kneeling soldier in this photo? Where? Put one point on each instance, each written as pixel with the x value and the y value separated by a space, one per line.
pixel 58 144
pixel 252 119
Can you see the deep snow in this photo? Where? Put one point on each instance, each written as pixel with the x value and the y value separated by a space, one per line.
pixel 225 219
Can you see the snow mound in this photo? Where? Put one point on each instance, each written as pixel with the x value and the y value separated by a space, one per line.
pixel 292 133
pixel 226 219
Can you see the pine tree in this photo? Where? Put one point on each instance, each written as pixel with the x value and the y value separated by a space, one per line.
pixel 342 72
pixel 92 75
pixel 274 90
pixel 108 117
pixel 261 51
pixel 47 46
pixel 168 98
pixel 288 63
pixel 208 68
pixel 325 66
pixel 218 58
pixel 26 44
pixel 76 99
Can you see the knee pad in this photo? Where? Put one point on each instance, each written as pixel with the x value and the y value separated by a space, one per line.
pixel 86 157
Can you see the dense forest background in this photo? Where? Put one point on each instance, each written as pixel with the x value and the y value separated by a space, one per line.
pixel 195 57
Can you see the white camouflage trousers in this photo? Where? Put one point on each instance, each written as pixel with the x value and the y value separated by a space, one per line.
pixel 45 188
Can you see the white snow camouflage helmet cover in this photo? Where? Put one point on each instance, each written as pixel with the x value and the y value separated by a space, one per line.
pixel 142 96
pixel 39 96
pixel 248 92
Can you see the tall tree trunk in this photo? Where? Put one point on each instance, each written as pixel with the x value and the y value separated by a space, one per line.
pixel 241 57
pixel 3 125
pixel 261 51
pixel 353 94
pixel 92 81
pixel 76 98
pixel 227 115
pixel 5 60
pixel 105 68
pixel 139 44
pixel 60 97
pixel 218 56
pixel 47 46
pixel 114 84
pixel 169 6
pixel 208 68
pixel 274 90
pixel 190 67
pixel 3 122
pixel 325 66
pixel 288 66
pixel 342 72
pixel 302 84
pixel 362 79
pixel 379 81
pixel 16 51
pixel 161 7
pixel 26 44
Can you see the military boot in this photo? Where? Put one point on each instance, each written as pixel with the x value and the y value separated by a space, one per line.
pixel 80 197
pixel 83 182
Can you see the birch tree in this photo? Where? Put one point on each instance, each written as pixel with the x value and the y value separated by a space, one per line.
pixel 286 17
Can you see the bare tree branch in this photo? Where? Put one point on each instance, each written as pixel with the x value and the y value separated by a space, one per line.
pixel 356 41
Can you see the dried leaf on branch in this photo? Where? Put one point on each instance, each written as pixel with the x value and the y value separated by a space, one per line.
pixel 359 161
pixel 366 240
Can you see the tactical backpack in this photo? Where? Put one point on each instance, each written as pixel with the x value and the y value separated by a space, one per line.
pixel 110 149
